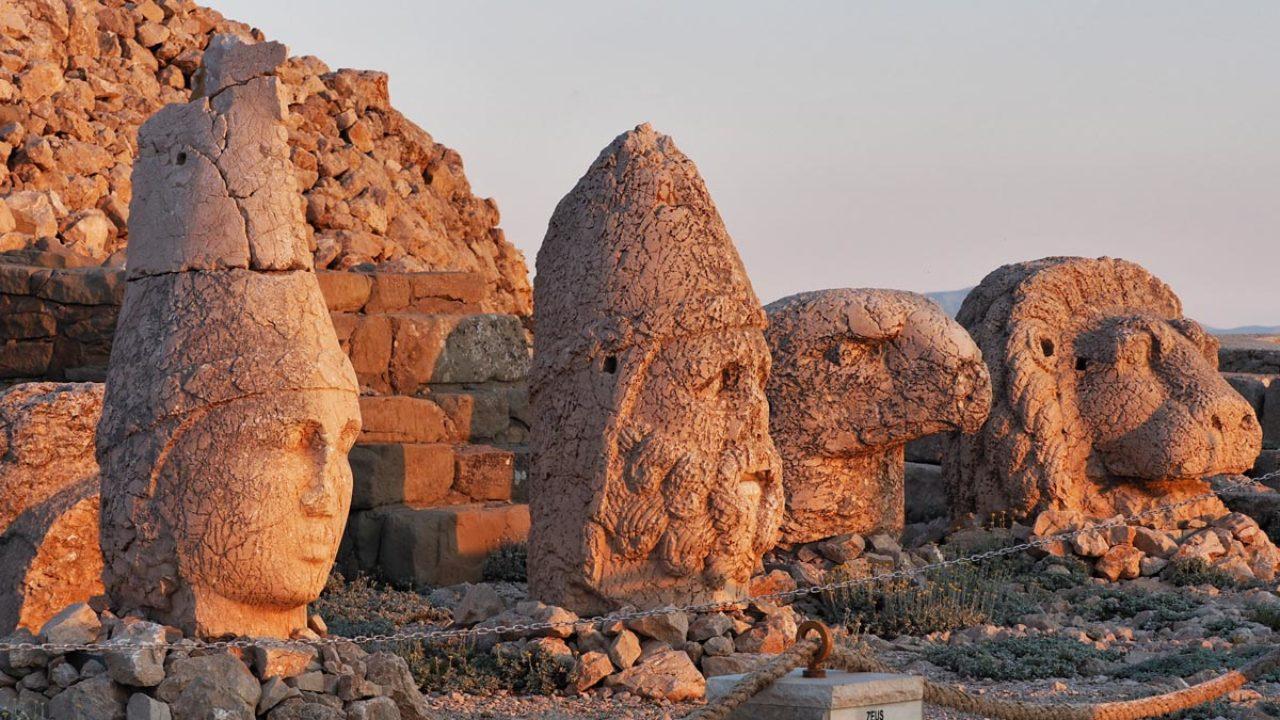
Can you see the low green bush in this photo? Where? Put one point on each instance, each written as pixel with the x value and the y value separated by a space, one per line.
pixel 954 597
pixel 364 607
pixel 1114 603
pixel 507 563
pixel 1266 614
pixel 459 666
pixel 1195 571
pixel 1189 661
pixel 1023 658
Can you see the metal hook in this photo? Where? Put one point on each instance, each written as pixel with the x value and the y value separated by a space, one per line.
pixel 815 669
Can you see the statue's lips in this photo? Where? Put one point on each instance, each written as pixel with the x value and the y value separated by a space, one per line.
pixel 317 542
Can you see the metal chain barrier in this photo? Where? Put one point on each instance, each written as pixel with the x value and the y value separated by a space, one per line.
pixel 438 634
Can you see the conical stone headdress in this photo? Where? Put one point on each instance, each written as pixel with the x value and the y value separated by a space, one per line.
pixel 615 270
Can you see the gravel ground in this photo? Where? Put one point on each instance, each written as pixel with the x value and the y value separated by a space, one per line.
pixel 1205 630
pixel 596 705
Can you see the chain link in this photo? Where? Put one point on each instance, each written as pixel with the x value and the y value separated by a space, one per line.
pixel 435 633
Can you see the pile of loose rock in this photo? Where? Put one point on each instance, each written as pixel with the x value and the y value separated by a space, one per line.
pixel 663 656
pixel 78 78
pixel 337 681
pixel 1233 544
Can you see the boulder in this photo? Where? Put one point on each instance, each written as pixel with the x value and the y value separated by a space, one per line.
pixel 97 698
pixel 77 624
pixel 671 627
pixel 210 686
pixel 144 707
pixel 391 672
pixel 1120 562
pixel 592 667
pixel 624 649
pixel 669 675
pixel 137 666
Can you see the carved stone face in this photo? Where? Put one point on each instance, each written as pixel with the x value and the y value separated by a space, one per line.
pixel 230 406
pixel 1106 399
pixel 1154 404
pixel 653 478
pixel 261 488
pixel 856 374
pixel 697 453
pixel 860 370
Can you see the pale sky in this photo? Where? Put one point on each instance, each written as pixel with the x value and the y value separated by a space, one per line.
pixel 912 145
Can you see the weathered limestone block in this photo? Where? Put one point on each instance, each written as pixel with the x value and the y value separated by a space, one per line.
pixel 856 374
pixel 57 323
pixel 49 555
pixel 401 419
pixel 654 480
pixel 230 407
pixel 1106 399
pixel 46 442
pixel 448 545
pixel 417 474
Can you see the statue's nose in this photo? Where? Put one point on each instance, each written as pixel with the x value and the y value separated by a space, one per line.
pixel 1231 416
pixel 321 495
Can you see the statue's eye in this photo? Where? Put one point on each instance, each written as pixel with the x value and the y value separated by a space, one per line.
pixel 303 436
pixel 730 377
pixel 724 382
pixel 1082 364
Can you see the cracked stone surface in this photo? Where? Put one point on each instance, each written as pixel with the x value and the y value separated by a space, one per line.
pixel 49 555
pixel 1105 398
pixel 654 479
pixel 230 407
pixel 208 181
pixel 856 374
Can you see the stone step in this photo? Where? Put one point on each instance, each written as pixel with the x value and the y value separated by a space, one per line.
pixel 417 547
pixel 429 292
pixel 496 414
pixel 401 353
pixel 402 419
pixel 429 474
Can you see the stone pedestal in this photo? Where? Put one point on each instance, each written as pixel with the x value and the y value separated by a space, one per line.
pixel 838 696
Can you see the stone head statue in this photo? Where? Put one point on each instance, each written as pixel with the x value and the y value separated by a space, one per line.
pixel 229 407
pixel 857 374
pixel 654 478
pixel 1106 399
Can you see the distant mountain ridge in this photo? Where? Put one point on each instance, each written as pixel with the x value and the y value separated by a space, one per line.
pixel 950 300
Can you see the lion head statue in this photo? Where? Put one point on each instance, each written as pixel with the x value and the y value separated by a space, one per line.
pixel 1105 398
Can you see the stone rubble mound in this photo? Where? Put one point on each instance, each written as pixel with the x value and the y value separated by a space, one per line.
pixel 78 77
pixel 659 657
pixel 336 681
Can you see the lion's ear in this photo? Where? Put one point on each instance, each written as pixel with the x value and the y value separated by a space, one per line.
pixel 1193 331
